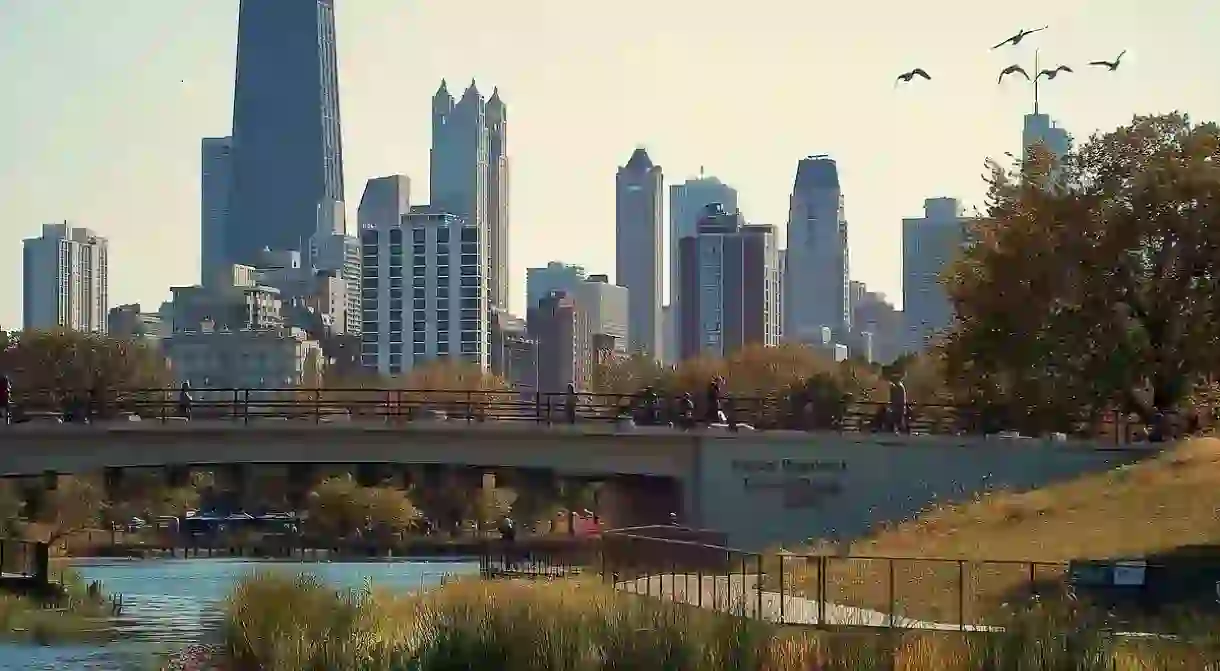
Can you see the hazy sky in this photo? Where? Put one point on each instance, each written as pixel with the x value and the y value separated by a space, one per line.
pixel 106 101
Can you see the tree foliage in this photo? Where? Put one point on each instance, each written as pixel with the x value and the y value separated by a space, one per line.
pixel 76 504
pixel 442 384
pixel 51 365
pixel 751 372
pixel 1091 283
pixel 339 507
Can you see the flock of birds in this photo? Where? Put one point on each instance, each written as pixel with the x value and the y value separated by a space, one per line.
pixel 1048 73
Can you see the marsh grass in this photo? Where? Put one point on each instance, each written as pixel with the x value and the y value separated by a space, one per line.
pixel 77 615
pixel 274 623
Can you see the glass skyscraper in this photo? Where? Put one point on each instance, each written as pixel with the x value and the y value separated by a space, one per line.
pixel 287 150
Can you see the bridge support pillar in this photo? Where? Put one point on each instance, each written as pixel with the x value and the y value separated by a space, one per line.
pixel 177 475
pixel 301 480
pixel 639 500
pixel 369 475
pixel 112 479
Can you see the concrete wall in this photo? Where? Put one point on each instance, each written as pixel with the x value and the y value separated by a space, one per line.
pixel 784 489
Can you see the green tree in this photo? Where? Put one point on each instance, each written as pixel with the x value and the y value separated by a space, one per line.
pixel 339 506
pixel 1091 282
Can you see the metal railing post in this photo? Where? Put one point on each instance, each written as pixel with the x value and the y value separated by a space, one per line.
pixel 758 579
pixel 245 410
pixel 782 615
pixel 469 408
pixel 236 404
pixel 961 594
pixel 893 596
pixel 317 406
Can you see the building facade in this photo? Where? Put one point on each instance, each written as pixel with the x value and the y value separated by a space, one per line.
pixel 730 273
pixel 929 245
pixel 605 307
pixel 554 276
pixel 816 271
pixel 686 204
pixel 132 323
pixel 258 359
pixel 639 243
pixel 425 292
pixel 65 279
pixel 564 349
pixel 287 145
pixel 498 230
pixel 216 170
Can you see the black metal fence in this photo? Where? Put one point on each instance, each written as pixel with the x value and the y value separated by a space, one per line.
pixel 805 589
pixel 407 405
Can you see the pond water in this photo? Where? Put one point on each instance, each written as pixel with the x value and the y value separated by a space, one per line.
pixel 170 603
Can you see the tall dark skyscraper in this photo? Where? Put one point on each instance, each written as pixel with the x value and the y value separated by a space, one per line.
pixel 287 150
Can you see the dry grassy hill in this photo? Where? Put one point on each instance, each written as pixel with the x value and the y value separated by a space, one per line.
pixel 1167 502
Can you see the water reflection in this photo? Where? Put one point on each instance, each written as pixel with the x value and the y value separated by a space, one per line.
pixel 176 602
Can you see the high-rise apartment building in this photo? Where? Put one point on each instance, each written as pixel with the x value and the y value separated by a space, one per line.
pixel 469 170
pixel 424 292
pixel 730 273
pixel 686 204
pixel 639 239
pixel 65 279
pixel 217 175
pixel 929 245
pixel 554 276
pixel 287 147
pixel 816 273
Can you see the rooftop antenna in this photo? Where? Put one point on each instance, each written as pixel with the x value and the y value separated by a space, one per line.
pixel 1036 81
pixel 701 172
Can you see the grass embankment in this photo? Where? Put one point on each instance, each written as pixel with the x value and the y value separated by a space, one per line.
pixel 76 615
pixel 1155 507
pixel 278 624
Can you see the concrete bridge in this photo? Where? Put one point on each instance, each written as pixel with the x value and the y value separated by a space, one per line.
pixel 761 488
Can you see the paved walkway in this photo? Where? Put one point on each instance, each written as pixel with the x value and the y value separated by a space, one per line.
pixel 739 595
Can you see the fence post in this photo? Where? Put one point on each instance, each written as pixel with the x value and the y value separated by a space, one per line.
pixel 893 597
pixel 782 618
pixel 1033 580
pixel 245 409
pixel 823 564
pixel 469 408
pixel 758 579
pixel 317 406
pixel 961 594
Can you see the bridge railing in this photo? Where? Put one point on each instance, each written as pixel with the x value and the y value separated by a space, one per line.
pixel 407 405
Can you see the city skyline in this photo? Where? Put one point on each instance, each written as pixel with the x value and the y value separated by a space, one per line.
pixel 136 182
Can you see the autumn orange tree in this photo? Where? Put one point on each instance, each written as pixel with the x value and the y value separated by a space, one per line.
pixel 1091 283
pixel 47 366
pixel 441 384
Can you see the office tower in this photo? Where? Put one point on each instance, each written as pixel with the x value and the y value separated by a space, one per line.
pixel 564 345
pixel 929 245
pixel 497 200
pixel 444 269
pixel 1040 129
pixel 730 269
pixel 287 147
pixel 65 280
pixel 554 276
pixel 217 176
pixel 816 264
pixel 333 252
pixel 686 204
pixel 459 158
pixel 514 354
pixel 605 309
pixel 639 238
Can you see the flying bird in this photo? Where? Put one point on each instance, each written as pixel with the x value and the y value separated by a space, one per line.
pixel 1016 39
pixel 1112 65
pixel 908 76
pixel 1054 72
pixel 1011 69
